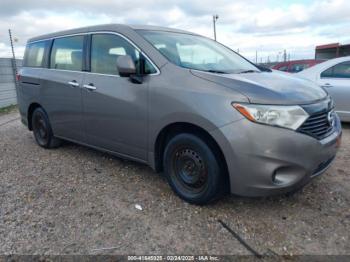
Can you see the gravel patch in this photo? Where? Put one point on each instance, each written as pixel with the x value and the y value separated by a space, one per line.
pixel 75 200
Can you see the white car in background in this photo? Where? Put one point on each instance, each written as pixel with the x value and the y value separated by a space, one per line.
pixel 334 76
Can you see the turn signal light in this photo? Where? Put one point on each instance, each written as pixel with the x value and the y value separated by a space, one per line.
pixel 243 111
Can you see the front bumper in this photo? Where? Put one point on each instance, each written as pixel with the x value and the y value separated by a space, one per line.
pixel 264 160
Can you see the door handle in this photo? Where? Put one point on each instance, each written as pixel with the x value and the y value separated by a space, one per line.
pixel 327 85
pixel 73 83
pixel 90 87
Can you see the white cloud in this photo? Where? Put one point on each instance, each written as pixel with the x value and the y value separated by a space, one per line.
pixel 268 26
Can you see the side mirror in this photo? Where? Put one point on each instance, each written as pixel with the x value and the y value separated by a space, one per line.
pixel 126 66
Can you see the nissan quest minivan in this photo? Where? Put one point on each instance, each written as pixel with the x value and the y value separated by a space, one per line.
pixel 189 107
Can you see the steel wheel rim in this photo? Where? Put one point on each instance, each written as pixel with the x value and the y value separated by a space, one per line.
pixel 189 170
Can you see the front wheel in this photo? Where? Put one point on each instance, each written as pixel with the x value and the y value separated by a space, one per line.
pixel 192 169
pixel 42 130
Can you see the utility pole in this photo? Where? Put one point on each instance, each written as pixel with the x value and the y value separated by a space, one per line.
pixel 215 18
pixel 284 55
pixel 14 65
pixel 256 56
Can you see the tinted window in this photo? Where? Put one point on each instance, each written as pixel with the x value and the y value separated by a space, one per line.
pixel 341 70
pixel 105 49
pixel 35 54
pixel 327 73
pixel 67 53
pixel 298 67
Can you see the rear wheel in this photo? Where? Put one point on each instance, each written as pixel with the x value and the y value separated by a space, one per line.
pixel 192 169
pixel 42 130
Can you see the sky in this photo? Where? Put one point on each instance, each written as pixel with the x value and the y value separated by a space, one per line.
pixel 265 27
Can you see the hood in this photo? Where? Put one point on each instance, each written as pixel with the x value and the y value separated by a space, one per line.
pixel 268 87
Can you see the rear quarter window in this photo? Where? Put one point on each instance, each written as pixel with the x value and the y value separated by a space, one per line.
pixel 34 56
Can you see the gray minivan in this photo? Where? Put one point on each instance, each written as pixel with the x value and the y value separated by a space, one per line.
pixel 182 103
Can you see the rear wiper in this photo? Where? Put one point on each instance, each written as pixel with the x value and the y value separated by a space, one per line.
pixel 248 71
pixel 216 71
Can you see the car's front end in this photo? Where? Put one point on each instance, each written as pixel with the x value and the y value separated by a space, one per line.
pixel 268 158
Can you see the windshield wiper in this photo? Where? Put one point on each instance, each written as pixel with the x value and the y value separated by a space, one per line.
pixel 216 71
pixel 248 71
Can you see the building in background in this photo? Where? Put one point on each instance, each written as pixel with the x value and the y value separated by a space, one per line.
pixel 330 51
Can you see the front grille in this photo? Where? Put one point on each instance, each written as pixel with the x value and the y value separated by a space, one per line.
pixel 317 125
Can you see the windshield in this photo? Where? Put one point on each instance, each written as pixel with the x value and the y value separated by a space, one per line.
pixel 197 52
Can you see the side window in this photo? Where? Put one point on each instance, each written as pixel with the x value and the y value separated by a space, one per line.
pixel 341 70
pixel 105 49
pixel 149 68
pixel 67 53
pixel 35 54
pixel 328 72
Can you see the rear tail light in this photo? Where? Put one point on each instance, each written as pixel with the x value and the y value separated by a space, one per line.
pixel 18 77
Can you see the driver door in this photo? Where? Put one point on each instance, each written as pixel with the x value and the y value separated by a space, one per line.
pixel 114 109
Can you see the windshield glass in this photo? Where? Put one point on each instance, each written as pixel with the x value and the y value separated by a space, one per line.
pixel 197 52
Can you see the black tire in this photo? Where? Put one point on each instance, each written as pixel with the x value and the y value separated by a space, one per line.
pixel 42 130
pixel 192 169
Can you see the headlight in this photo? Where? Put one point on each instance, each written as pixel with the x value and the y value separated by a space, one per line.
pixel 291 117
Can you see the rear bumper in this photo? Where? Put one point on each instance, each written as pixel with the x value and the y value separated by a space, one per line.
pixel 264 160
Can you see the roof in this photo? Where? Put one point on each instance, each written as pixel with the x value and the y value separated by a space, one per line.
pixel 107 27
pixel 333 45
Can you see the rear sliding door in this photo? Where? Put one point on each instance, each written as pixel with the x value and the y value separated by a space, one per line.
pixel 61 87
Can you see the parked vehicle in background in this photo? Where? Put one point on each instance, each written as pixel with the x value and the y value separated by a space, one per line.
pixel 182 103
pixel 296 65
pixel 334 76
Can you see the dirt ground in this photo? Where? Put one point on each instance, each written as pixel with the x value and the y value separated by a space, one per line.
pixel 75 200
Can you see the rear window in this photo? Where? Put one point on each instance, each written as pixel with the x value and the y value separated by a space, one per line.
pixel 67 53
pixel 34 56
